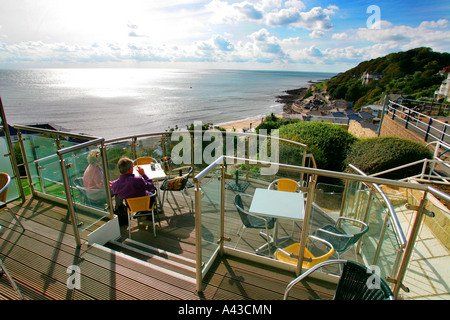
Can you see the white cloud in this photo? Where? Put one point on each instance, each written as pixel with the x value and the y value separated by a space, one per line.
pixel 269 5
pixel 340 36
pixel 315 19
pixel 283 17
pixel 266 47
pixel 296 4
pixel 223 12
pixel 404 37
pixel 248 10
pixel 316 34
pixel 441 23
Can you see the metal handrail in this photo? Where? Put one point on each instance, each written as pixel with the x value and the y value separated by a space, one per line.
pixel 420 115
pixel 203 131
pixel 63 133
pixel 392 214
pixel 80 146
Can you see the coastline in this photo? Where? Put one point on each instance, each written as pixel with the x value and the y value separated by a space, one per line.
pixel 287 99
pixel 241 125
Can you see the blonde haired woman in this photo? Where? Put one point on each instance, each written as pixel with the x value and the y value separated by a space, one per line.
pixel 93 177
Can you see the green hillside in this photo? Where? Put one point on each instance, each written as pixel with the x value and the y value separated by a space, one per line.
pixel 414 73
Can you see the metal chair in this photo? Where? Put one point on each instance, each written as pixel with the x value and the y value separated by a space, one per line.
pixel 251 221
pixel 178 184
pixel 4 184
pixel 140 207
pixel 342 240
pixel 90 196
pixel 355 283
pixel 144 160
pixel 290 253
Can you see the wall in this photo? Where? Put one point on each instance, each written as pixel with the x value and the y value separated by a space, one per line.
pixel 359 131
pixel 391 128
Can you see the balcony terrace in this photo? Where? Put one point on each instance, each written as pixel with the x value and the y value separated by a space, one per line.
pixel 196 254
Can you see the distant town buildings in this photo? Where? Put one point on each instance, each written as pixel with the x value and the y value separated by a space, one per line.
pixel 369 76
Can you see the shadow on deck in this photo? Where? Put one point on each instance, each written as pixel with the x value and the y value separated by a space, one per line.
pixel 39 258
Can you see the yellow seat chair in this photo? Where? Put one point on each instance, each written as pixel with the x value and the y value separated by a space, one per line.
pixel 140 204
pixel 287 185
pixel 290 254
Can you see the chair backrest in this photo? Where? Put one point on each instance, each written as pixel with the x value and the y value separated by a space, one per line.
pixel 178 183
pixel 357 235
pixel 144 160
pixel 341 240
pixel 138 204
pixel 310 261
pixel 317 259
pixel 287 185
pixel 284 184
pixel 359 283
pixel 4 183
pixel 240 207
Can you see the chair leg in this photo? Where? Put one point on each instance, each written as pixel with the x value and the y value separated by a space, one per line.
pixel 175 200
pixel 15 218
pixel 153 220
pixel 185 200
pixel 241 231
pixel 11 280
pixel 269 240
pixel 164 198
pixel 129 225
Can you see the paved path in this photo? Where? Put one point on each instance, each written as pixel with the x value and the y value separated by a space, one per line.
pixel 428 275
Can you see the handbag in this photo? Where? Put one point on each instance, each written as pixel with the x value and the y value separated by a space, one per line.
pixel 121 213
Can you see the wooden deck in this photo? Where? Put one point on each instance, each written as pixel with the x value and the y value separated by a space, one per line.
pixel 39 257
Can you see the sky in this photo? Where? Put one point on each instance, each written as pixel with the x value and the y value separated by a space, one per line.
pixel 290 35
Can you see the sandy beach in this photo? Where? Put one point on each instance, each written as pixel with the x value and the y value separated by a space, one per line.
pixel 248 124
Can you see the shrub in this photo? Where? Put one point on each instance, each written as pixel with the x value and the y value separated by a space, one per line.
pixel 328 142
pixel 378 154
pixel 272 122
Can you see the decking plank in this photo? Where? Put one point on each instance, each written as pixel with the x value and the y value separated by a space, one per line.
pixel 104 273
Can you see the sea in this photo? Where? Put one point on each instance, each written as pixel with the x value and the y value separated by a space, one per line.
pixel 112 102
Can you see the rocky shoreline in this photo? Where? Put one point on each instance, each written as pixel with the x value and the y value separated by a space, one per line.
pixel 290 97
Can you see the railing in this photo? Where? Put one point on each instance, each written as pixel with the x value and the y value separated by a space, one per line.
pixel 428 127
pixel 396 240
pixel 55 159
pixel 214 204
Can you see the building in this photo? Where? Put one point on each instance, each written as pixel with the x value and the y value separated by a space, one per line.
pixel 444 89
pixel 369 76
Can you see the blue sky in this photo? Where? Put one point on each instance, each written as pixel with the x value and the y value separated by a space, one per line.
pixel 308 35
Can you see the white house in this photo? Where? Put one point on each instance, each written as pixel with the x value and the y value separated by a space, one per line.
pixel 444 89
